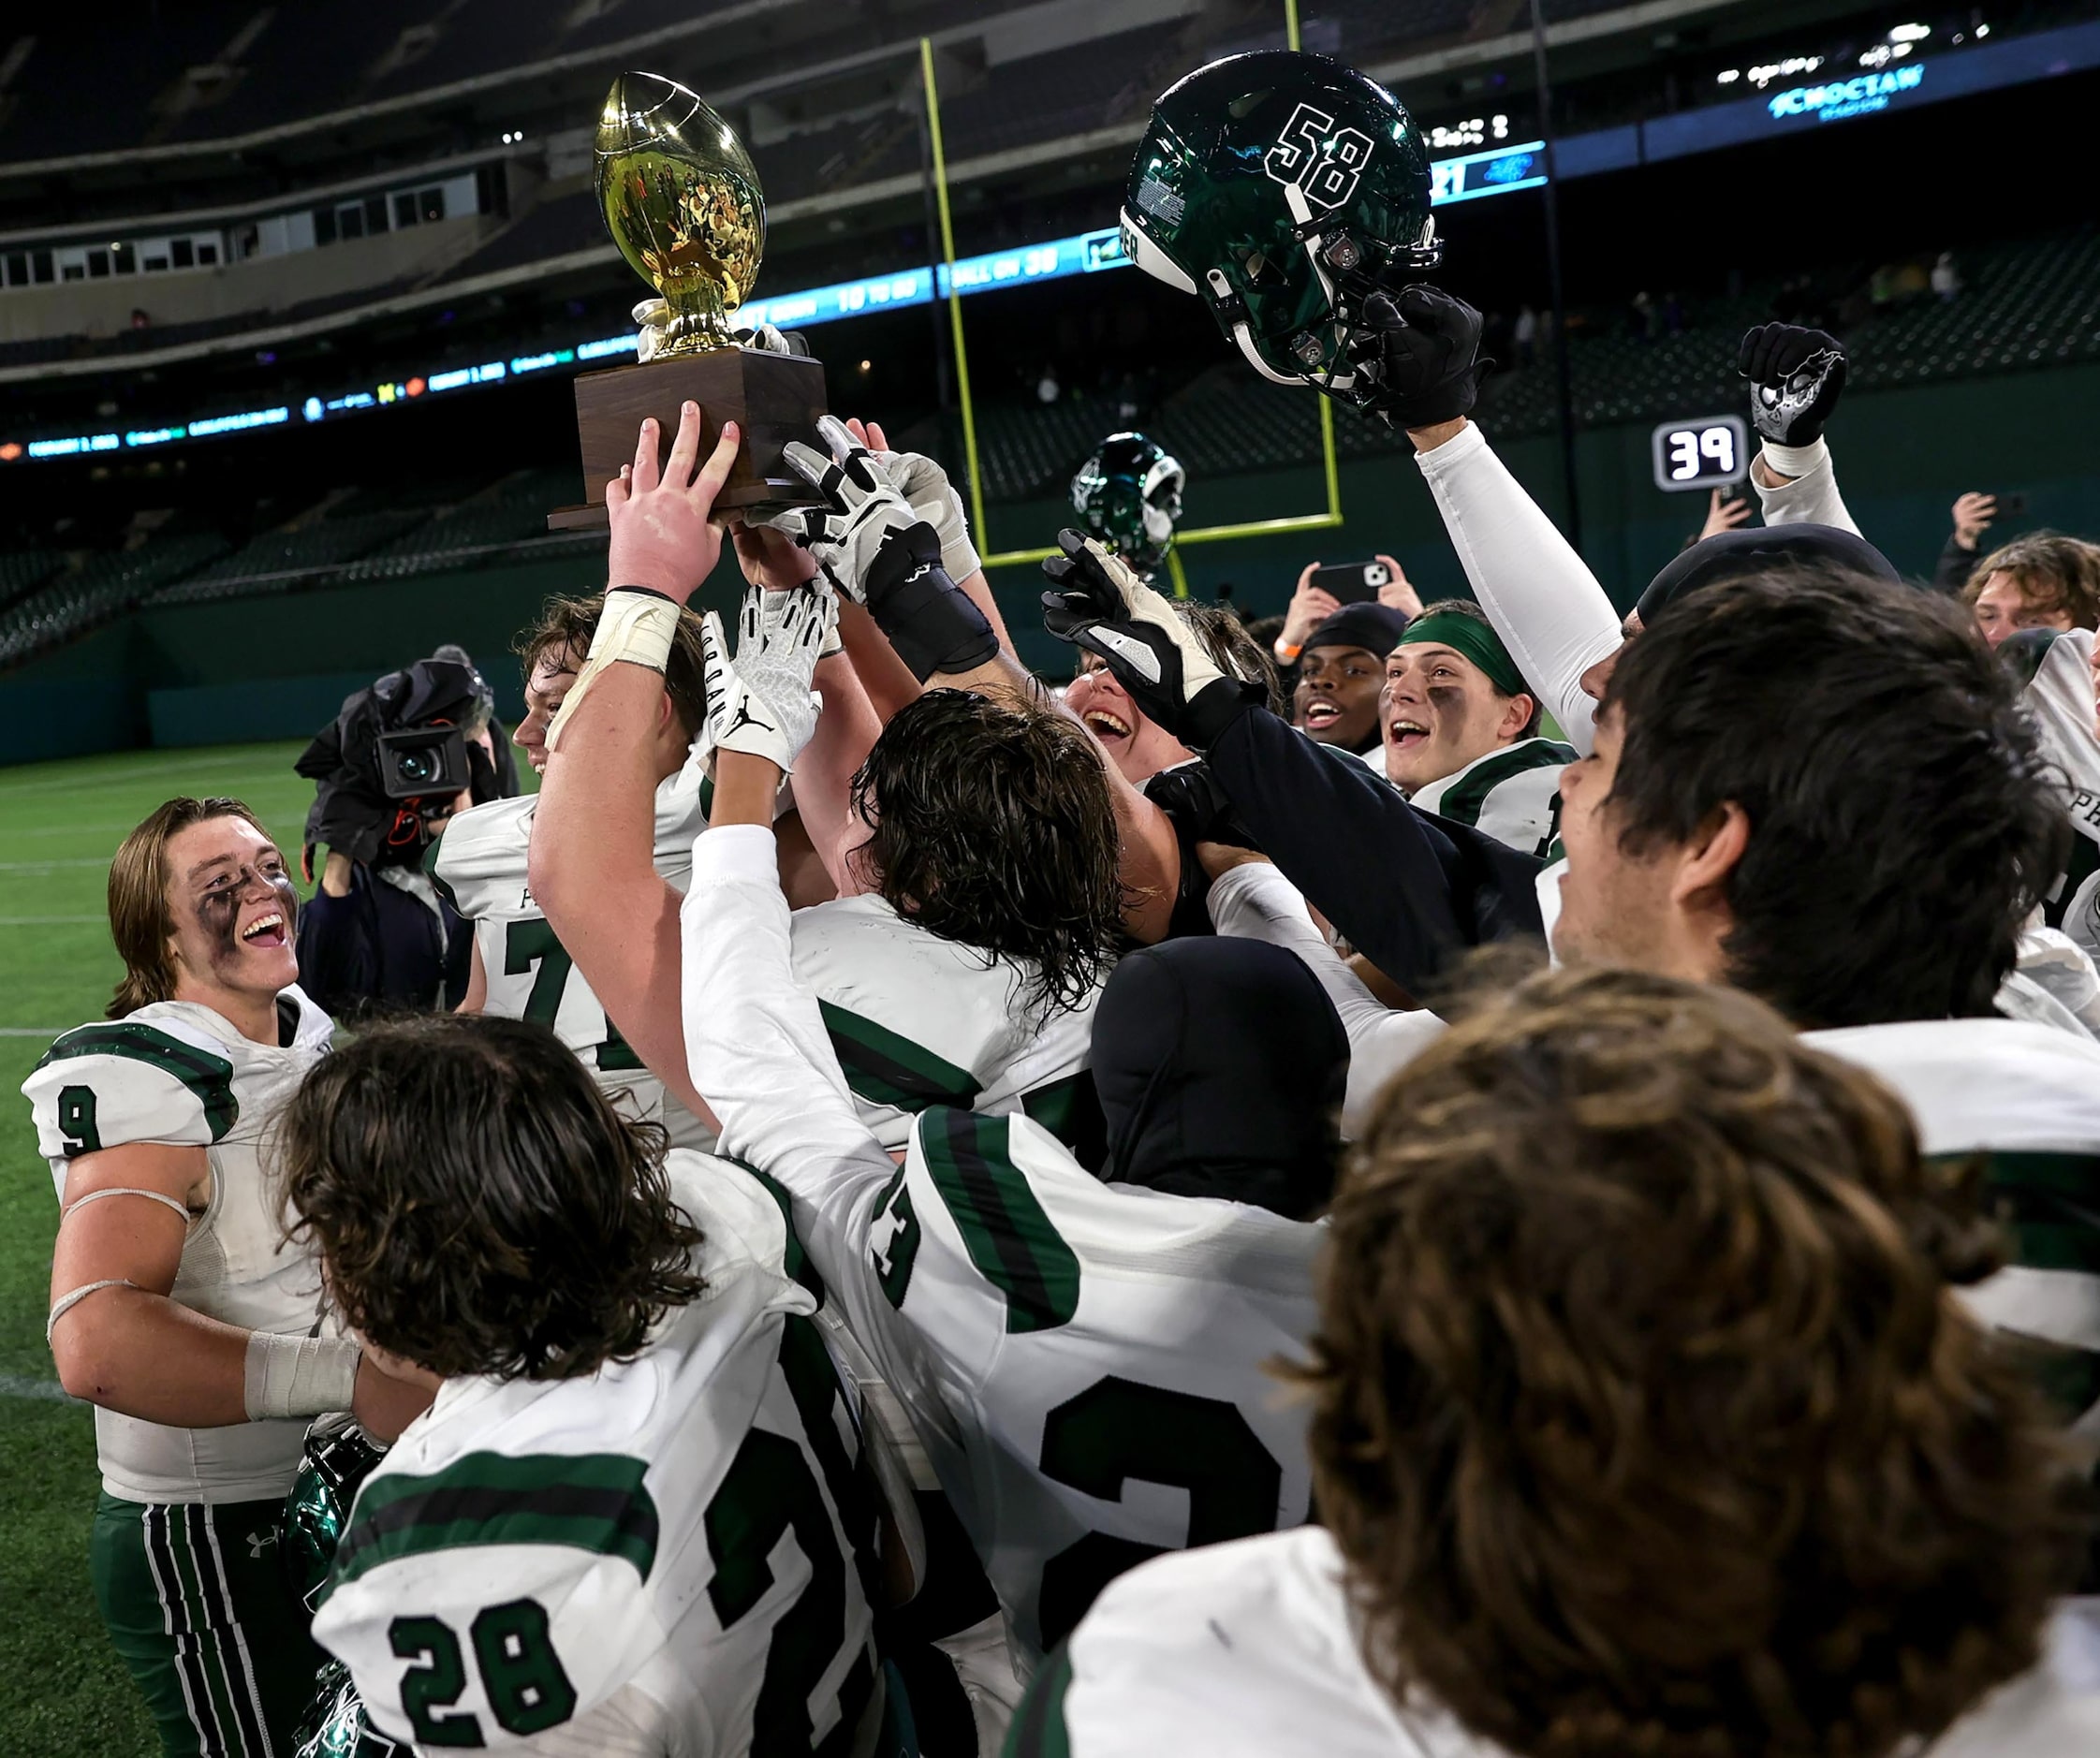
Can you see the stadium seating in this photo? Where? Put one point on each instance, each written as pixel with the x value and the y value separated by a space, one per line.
pixel 2022 306
pixel 103 587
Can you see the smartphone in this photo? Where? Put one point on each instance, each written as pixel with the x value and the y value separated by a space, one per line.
pixel 2013 502
pixel 1353 582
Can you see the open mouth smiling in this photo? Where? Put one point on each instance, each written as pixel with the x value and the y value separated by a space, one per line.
pixel 265 931
pixel 1321 713
pixel 1103 725
pixel 1406 733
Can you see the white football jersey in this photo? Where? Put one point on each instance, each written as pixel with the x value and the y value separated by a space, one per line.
pixel 179 1073
pixel 2027 1097
pixel 480 864
pixel 1104 1355
pixel 1512 794
pixel 918 1021
pixel 2059 695
pixel 654 1558
pixel 1249 1649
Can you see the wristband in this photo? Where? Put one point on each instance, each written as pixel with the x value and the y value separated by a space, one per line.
pixel 1796 460
pixel 299 1376
pixel 636 627
pixel 1286 652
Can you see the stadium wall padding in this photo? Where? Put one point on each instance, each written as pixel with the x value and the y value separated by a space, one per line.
pixel 278 665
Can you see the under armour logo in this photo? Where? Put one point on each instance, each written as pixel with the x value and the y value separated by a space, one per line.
pixel 257 1541
pixel 746 718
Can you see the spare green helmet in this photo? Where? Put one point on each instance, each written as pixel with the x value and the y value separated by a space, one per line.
pixel 1128 494
pixel 1284 189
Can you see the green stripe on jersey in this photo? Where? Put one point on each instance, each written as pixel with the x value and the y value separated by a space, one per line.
pixel 2050 1201
pixel 209 1077
pixel 588 1502
pixel 429 872
pixel 794 1260
pixel 1008 1237
pixel 1038 1731
pixel 888 1069
pixel 1461 804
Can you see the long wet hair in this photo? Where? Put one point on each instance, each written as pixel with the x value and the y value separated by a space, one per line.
pixel 993 826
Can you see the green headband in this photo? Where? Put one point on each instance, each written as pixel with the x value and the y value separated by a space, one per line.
pixel 1477 641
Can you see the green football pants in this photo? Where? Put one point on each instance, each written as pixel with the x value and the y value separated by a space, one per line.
pixel 195 1604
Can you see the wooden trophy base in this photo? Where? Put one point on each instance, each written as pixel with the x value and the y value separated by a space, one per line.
pixel 773 398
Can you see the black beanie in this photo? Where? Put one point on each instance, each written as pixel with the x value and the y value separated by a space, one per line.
pixel 1753 548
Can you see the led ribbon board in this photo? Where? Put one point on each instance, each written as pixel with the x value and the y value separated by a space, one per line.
pixel 1464 179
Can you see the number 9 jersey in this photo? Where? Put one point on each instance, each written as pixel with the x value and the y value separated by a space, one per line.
pixel 657 1558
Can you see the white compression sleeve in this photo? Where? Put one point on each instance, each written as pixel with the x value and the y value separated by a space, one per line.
pixel 1540 596
pixel 299 1376
pixel 1809 496
pixel 637 627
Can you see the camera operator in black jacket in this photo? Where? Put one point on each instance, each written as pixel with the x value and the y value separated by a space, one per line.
pixel 397 761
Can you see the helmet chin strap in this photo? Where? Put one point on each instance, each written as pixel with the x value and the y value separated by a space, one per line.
pixel 1221 290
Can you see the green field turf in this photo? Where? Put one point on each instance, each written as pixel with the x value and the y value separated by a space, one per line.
pixel 63 1692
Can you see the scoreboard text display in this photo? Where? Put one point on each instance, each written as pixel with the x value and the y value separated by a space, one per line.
pixel 1705 453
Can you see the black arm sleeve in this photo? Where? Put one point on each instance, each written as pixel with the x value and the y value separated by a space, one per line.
pixel 1410 890
pixel 1952 572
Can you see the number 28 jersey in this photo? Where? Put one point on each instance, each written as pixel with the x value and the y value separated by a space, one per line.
pixel 655 1560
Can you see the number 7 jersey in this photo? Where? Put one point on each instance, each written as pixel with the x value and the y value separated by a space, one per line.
pixel 655 1559
pixel 480 864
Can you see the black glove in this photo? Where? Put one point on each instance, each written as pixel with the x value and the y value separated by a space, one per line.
pixel 1097 603
pixel 1198 805
pixel 1421 345
pixel 934 626
pixel 1198 809
pixel 1796 377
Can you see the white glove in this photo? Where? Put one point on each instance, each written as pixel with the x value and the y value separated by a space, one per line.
pixel 761 703
pixel 862 507
pixel 925 485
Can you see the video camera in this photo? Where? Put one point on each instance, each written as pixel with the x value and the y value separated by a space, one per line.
pixel 398 756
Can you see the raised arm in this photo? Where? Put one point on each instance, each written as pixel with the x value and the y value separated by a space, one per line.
pixel 755 1036
pixel 592 862
pixel 1544 601
pixel 1796 378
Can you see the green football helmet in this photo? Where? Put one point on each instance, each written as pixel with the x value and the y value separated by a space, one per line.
pixel 1128 494
pixel 1285 189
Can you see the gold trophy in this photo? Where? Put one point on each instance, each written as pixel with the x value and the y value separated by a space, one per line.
pixel 683 203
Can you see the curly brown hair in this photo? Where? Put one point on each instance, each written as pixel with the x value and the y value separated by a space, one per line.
pixel 479 1204
pixel 566 626
pixel 992 826
pixel 2053 572
pixel 1646 1419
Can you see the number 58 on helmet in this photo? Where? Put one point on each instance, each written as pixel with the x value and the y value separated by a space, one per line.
pixel 1283 189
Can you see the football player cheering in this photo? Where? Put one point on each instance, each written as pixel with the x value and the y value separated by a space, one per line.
pixel 629 1525
pixel 1460 730
pixel 1633 1303
pixel 179 1309
pixel 1058 1340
